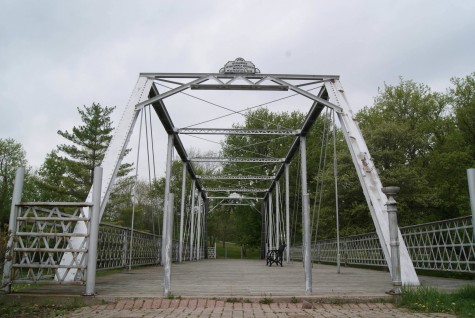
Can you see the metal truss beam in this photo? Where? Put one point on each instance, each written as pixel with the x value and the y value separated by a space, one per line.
pixel 237 131
pixel 231 160
pixel 236 177
pixel 240 87
pixel 301 77
pixel 253 190
pixel 236 198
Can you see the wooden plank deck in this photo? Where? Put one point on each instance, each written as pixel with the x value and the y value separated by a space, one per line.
pixel 244 278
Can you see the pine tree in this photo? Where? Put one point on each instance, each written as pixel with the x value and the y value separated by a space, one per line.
pixel 68 171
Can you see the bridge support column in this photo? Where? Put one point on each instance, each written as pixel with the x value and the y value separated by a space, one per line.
pixel 168 249
pixel 192 215
pixel 93 233
pixel 277 215
pixel 205 227
pixel 263 229
pixel 269 218
pixel 394 239
pixel 471 189
pixel 182 212
pixel 307 252
pixel 287 214
pixel 198 228
pixel 166 196
pixel 16 198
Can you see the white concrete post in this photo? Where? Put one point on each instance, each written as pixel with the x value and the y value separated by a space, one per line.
pixel 16 198
pixel 93 233
pixel 394 238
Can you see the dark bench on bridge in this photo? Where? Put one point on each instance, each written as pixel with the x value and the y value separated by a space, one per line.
pixel 275 256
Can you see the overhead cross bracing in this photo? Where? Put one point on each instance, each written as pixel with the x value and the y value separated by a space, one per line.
pixel 183 91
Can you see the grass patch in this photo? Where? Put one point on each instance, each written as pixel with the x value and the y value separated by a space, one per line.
pixel 460 302
pixel 266 301
pixel 233 251
pixel 15 310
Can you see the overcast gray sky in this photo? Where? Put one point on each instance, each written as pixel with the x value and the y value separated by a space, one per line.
pixel 58 55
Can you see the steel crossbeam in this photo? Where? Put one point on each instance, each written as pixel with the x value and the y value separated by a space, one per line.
pixel 210 177
pixel 235 198
pixel 237 160
pixel 237 131
pixel 253 190
pixel 240 87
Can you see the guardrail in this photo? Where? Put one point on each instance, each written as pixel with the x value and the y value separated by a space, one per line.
pixel 446 245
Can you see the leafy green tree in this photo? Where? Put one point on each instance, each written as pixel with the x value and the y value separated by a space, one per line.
pixel 12 156
pixel 410 134
pixel 463 99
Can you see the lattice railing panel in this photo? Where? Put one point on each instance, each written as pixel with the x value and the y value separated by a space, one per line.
pixel 444 246
pixel 114 247
pixel 43 233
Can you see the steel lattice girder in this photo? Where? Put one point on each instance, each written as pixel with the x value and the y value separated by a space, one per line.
pixel 234 198
pixel 251 160
pixel 237 131
pixel 236 177
pixel 253 190
pixel 331 95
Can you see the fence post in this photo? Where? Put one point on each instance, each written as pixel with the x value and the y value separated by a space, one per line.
pixel 471 190
pixel 16 198
pixel 394 239
pixel 93 233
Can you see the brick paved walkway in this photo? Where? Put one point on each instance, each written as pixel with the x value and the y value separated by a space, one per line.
pixel 190 308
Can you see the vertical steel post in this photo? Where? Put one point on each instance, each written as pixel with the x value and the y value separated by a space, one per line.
pixel 287 213
pixel 198 229
pixel 337 213
pixel 391 206
pixel 16 198
pixel 269 212
pixel 277 214
pixel 471 190
pixel 167 192
pixel 93 233
pixel 205 227
pixel 131 247
pixel 168 249
pixel 182 212
pixel 263 229
pixel 306 217
pixel 192 215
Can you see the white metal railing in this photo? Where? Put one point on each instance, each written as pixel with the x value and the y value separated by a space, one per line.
pixel 446 245
pixel 41 235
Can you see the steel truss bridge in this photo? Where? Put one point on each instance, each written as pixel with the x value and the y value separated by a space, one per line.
pixel 45 252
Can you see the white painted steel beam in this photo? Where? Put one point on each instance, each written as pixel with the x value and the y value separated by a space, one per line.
pixel 210 177
pixel 237 160
pixel 370 181
pixel 253 190
pixel 237 131
pixel 110 164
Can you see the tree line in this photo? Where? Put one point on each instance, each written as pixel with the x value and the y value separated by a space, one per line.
pixel 419 139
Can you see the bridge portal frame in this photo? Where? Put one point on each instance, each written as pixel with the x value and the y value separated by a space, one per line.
pixel 330 95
